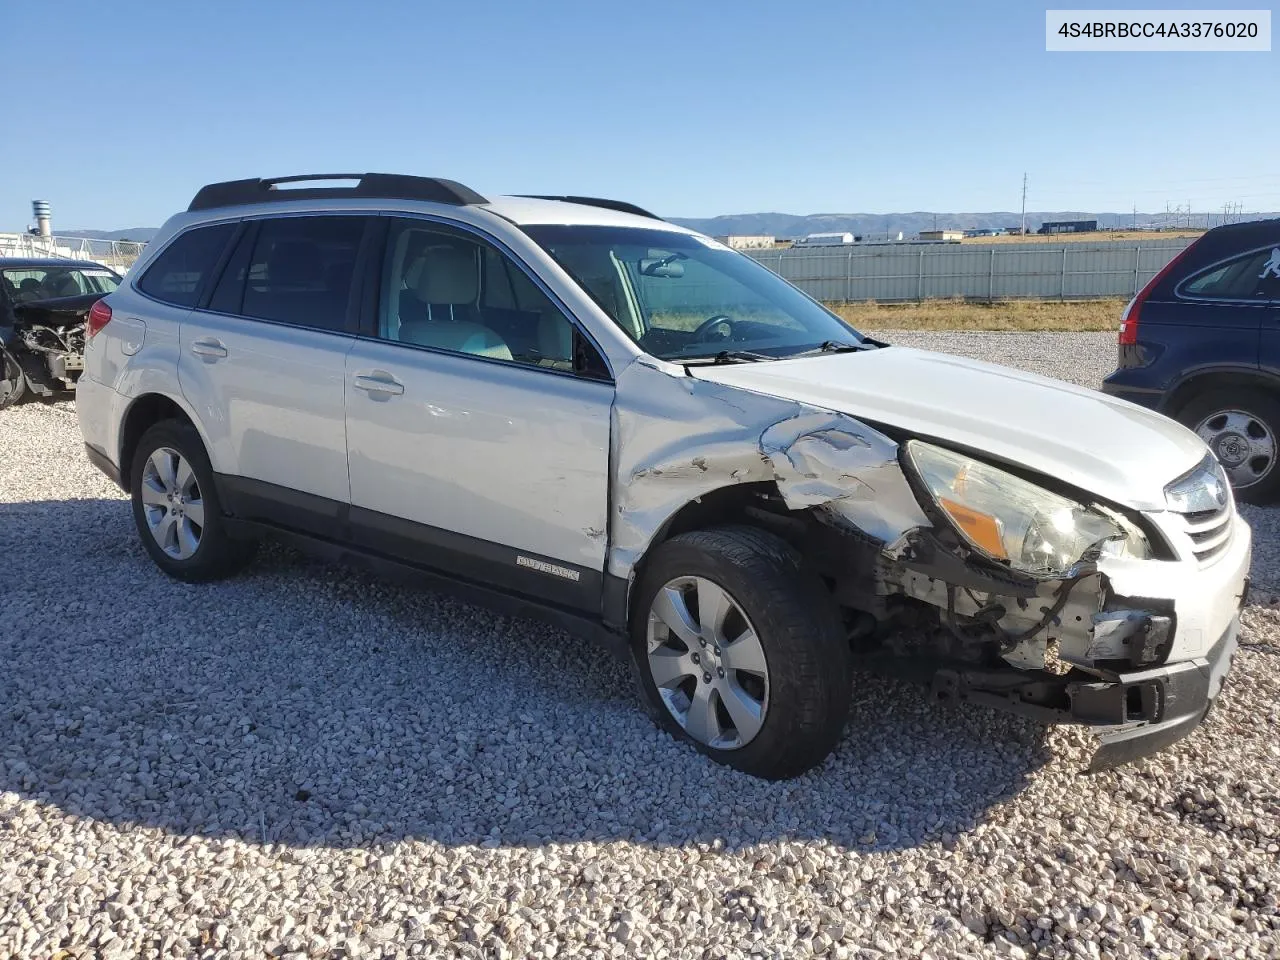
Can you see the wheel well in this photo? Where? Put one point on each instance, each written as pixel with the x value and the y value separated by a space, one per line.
pixel 1188 390
pixel 727 505
pixel 144 413
pixel 752 504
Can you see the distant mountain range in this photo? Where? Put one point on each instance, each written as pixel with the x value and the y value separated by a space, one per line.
pixel 869 225
pixel 138 234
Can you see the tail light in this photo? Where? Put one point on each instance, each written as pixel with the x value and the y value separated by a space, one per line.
pixel 99 317
pixel 1133 311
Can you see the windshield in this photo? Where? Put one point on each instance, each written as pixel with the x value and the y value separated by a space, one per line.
pixel 46 283
pixel 683 297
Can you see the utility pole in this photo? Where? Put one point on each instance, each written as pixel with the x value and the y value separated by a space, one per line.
pixel 1135 216
pixel 1024 204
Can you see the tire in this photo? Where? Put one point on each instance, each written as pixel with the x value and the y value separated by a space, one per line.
pixel 39 381
pixel 1231 420
pixel 13 383
pixel 215 555
pixel 804 696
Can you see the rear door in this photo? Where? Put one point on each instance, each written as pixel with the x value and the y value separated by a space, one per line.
pixel 478 419
pixel 263 361
pixel 1210 320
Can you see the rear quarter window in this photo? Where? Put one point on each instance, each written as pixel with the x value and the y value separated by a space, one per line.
pixel 178 274
pixel 1251 276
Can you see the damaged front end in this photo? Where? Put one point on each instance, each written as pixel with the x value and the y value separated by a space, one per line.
pixel 980 582
pixel 42 347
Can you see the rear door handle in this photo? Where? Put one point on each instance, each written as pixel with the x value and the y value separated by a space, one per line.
pixel 209 347
pixel 384 384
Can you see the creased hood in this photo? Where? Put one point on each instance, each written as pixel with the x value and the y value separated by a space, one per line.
pixel 1115 449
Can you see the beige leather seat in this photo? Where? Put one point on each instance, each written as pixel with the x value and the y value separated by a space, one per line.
pixel 445 314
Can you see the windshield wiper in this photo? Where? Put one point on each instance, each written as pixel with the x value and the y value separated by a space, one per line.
pixel 838 346
pixel 730 356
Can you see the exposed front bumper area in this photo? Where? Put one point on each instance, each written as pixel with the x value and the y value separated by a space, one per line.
pixel 1137 713
pixel 1170 702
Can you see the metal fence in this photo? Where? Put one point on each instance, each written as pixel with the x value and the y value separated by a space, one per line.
pixel 117 254
pixel 981 271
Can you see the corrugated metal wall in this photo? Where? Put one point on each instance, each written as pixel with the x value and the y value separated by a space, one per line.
pixel 890 272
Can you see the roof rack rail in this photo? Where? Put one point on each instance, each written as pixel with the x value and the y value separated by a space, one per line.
pixel 386 186
pixel 620 205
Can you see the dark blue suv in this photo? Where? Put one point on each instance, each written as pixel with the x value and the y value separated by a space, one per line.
pixel 1201 343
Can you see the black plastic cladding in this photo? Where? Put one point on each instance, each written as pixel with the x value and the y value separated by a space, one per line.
pixel 384 186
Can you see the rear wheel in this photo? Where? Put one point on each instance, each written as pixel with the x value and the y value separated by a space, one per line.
pixel 740 652
pixel 176 507
pixel 1242 428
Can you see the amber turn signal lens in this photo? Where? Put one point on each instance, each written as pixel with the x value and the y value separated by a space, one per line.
pixel 982 528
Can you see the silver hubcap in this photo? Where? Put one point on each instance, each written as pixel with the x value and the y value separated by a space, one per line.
pixel 707 663
pixel 172 503
pixel 1242 443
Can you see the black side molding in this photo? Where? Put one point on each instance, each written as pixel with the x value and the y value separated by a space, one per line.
pixel 494 598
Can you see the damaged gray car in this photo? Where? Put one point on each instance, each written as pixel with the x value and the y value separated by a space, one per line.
pixel 570 408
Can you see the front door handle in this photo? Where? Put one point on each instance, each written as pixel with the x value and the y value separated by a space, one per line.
pixel 384 384
pixel 209 348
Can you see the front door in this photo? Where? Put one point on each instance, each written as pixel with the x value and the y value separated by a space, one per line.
pixel 475 444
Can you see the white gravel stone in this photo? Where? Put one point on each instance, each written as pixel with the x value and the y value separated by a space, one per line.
pixel 308 762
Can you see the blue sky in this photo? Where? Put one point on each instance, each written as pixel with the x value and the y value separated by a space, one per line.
pixel 690 109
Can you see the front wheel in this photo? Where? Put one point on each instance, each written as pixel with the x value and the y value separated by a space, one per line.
pixel 740 652
pixel 1241 427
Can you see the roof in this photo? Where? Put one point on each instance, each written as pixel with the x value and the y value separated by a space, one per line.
pixel 26 263
pixel 527 211
pixel 386 191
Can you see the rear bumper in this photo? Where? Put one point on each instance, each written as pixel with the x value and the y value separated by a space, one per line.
pixel 1151 398
pixel 103 463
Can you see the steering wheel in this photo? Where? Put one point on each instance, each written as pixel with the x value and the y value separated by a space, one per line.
pixel 708 324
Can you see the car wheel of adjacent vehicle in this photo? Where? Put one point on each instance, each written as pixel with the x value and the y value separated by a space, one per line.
pixel 1240 427
pixel 12 382
pixel 176 508
pixel 740 652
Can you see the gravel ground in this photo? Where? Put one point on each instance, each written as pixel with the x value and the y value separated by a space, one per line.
pixel 311 763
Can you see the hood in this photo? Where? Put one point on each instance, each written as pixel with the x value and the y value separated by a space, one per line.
pixel 1110 447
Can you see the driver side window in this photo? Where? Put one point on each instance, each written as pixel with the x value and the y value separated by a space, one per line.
pixel 449 290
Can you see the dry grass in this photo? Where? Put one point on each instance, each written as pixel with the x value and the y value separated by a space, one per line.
pixel 1025 315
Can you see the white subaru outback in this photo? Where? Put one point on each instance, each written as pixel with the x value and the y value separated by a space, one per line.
pixel 574 409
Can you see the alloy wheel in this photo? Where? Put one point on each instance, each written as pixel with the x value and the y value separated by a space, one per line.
pixel 172 503
pixel 1243 444
pixel 707 663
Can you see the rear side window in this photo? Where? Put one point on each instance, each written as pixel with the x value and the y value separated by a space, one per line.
pixel 301 271
pixel 181 269
pixel 1254 276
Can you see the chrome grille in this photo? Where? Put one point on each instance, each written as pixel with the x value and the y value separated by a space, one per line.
pixel 1210 532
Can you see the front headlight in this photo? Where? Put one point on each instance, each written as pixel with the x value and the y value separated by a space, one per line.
pixel 1016 522
pixel 1205 488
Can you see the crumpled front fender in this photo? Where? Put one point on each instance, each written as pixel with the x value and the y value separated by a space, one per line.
pixel 676 438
